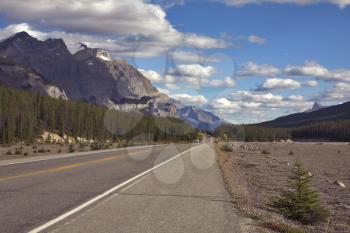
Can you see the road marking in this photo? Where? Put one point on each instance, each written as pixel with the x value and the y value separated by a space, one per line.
pixel 3 163
pixel 58 169
pixel 108 192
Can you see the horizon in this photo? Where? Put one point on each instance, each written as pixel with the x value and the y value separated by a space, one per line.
pixel 247 63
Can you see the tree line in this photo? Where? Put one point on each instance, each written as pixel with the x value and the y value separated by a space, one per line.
pixel 326 131
pixel 24 116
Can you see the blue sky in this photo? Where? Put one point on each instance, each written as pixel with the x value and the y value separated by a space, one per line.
pixel 245 62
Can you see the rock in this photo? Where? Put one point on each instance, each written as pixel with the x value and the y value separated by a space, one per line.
pixel 339 183
pixel 309 174
pixel 89 75
pixel 14 75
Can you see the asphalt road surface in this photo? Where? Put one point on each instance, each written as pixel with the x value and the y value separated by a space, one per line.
pixel 169 188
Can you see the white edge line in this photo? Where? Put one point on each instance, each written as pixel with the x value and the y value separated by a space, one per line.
pixel 97 198
pixel 77 154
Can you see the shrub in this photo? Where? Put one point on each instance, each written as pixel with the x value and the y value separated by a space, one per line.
pixel 59 151
pixel 18 151
pixel 34 147
pixel 282 227
pixel 265 152
pixel 301 202
pixel 25 154
pixel 41 150
pixel 291 152
pixel 71 149
pixel 97 146
pixel 227 147
pixel 9 152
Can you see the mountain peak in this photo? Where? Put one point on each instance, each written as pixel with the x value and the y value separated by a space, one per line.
pixel 315 107
pixel 22 35
pixel 86 52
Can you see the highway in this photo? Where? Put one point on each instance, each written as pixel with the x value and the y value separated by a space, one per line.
pixel 168 188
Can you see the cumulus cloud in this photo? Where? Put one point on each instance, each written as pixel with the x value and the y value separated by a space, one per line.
pixel 279 84
pixel 226 82
pixel 253 69
pixel 243 106
pixel 318 71
pixel 339 92
pixel 194 74
pixel 152 75
pixel 310 83
pixel 190 100
pixel 194 70
pixel 295 98
pixel 126 28
pixel 256 39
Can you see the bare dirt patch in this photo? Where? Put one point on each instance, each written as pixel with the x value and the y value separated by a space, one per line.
pixel 256 173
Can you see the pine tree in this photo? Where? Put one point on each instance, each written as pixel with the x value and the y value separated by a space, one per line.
pixel 301 202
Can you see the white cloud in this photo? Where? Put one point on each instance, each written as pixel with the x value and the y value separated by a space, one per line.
pixel 252 69
pixel 279 84
pixel 295 98
pixel 310 83
pixel 125 28
pixel 246 106
pixel 194 70
pixel 12 29
pixel 318 71
pixel 152 75
pixel 223 103
pixel 337 93
pixel 190 100
pixel 227 82
pixel 203 42
pixel 193 74
pixel 256 39
pixel 256 97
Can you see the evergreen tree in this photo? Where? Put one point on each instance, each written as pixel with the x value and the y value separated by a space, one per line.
pixel 301 202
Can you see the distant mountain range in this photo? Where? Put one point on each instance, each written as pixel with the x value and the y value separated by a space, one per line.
pixel 199 118
pixel 89 75
pixel 317 114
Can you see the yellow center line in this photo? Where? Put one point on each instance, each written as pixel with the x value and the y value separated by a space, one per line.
pixel 61 168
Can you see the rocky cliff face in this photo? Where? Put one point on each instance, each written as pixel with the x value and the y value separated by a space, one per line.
pixel 199 118
pixel 89 75
pixel 16 76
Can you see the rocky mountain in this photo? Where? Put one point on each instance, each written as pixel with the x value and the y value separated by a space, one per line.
pixel 316 107
pixel 16 76
pixel 331 113
pixel 89 75
pixel 199 118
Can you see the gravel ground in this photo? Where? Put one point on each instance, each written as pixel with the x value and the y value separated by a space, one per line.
pixel 255 178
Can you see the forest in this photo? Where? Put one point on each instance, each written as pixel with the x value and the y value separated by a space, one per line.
pixel 338 130
pixel 24 116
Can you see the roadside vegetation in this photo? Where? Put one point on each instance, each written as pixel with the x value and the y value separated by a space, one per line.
pixel 325 131
pixel 25 116
pixel 301 202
